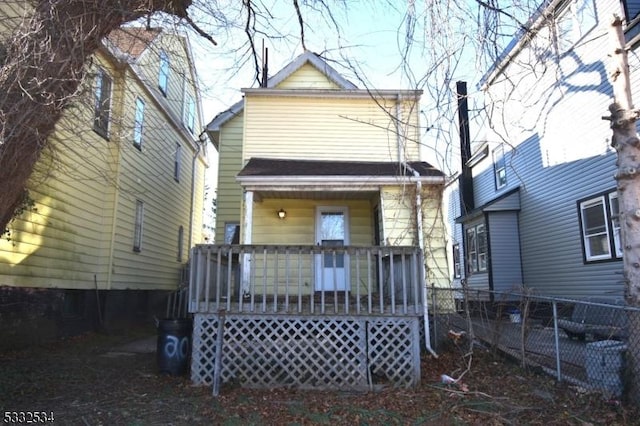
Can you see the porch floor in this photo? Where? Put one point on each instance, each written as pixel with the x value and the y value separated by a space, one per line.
pixel 327 303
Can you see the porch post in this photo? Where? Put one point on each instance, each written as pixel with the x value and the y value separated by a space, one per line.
pixel 247 226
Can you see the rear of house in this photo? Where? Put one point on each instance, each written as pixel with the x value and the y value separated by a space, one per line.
pixel 328 227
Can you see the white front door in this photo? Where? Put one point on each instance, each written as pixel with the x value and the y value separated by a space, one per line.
pixel 332 230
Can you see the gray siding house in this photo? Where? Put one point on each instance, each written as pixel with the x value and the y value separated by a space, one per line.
pixel 541 206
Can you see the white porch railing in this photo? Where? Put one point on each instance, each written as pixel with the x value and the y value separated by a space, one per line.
pixel 308 280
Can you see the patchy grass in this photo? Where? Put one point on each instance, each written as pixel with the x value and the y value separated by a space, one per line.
pixel 80 385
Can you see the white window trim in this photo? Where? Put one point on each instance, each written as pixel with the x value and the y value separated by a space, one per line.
pixel 499 165
pixel 580 15
pixel 611 228
pixel 101 76
pixel 615 224
pixel 457 265
pixel 177 160
pixel 138 123
pixel 163 73
pixel 189 111
pixel 138 226
pixel 180 243
pixel 473 250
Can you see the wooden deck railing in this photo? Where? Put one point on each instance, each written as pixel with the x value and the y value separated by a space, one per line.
pixel 306 280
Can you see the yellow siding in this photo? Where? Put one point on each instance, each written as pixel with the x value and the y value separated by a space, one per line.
pixel 398 217
pixel 12 13
pixel 86 190
pixel 434 237
pixel 60 243
pixel 229 191
pixel 179 82
pixel 147 174
pixel 399 225
pixel 307 77
pixel 324 129
pixel 299 229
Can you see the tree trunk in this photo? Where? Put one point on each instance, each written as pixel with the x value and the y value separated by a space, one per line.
pixel 40 75
pixel 627 144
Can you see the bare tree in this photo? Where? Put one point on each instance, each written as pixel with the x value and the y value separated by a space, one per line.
pixel 42 69
pixel 44 51
pixel 626 141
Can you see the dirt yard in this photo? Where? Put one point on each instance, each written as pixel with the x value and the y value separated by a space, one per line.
pixel 91 380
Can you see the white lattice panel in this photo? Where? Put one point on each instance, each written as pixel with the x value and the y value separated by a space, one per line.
pixel 394 351
pixel 304 351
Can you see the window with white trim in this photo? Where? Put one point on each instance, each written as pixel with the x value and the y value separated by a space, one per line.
pixel 102 103
pixel 476 246
pixel 176 162
pixel 499 167
pixel 138 225
pixel 600 227
pixel 632 19
pixel 614 210
pixel 180 242
pixel 138 123
pixel 231 233
pixel 163 74
pixel 189 118
pixel 457 270
pixel 573 19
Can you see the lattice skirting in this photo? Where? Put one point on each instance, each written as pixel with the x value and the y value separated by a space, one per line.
pixel 307 352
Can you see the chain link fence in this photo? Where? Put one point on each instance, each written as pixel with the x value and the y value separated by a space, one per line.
pixel 584 342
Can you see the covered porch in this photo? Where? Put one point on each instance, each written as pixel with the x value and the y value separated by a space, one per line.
pixel 322 284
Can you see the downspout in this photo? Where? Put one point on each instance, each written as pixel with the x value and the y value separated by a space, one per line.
pixel 416 175
pixel 425 304
pixel 199 144
pixel 116 193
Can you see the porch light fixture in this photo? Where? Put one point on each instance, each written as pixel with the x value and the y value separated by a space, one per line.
pixel 282 214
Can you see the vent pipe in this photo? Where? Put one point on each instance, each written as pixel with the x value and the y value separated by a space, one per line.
pixel 465 180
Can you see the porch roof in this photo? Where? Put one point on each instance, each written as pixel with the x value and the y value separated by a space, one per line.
pixel 265 168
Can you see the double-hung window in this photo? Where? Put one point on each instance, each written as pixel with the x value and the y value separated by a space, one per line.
pixel 102 103
pixel 189 112
pixel 231 233
pixel 180 242
pixel 137 227
pixel 457 270
pixel 476 245
pixel 176 163
pixel 600 227
pixel 138 124
pixel 163 74
pixel 573 19
pixel 499 167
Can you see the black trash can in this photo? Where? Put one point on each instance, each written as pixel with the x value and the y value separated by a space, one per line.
pixel 174 346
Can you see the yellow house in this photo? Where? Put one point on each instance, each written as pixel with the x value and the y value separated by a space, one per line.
pixel 312 145
pixel 327 219
pixel 118 195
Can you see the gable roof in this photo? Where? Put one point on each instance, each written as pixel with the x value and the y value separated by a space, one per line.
pixel 279 77
pixel 272 167
pixel 317 63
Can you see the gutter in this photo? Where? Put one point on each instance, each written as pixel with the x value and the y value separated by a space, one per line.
pixel 262 181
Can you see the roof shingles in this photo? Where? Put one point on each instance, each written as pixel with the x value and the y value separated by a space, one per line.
pixel 289 167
